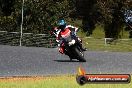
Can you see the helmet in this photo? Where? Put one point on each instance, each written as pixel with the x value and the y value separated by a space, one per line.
pixel 62 24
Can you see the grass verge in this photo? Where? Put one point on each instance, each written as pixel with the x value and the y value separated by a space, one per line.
pixel 116 46
pixel 52 82
pixel 96 41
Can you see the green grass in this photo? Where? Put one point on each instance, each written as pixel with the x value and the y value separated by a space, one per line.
pixel 116 46
pixel 97 41
pixel 53 82
pixel 99 32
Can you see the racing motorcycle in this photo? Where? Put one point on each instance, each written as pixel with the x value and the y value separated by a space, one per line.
pixel 72 48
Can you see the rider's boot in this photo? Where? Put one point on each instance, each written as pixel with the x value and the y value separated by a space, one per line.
pixel 80 44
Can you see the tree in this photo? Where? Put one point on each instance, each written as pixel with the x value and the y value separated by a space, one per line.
pixel 112 16
pixel 39 15
pixel 86 9
pixel 45 13
pixel 107 12
pixel 7 6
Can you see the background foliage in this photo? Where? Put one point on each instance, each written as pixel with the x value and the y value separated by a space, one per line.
pixel 41 15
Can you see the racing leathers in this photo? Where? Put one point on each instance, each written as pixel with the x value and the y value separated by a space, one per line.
pixel 62 34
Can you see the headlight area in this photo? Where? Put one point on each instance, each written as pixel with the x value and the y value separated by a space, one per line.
pixel 72 42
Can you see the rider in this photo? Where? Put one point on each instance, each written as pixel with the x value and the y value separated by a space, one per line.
pixel 63 31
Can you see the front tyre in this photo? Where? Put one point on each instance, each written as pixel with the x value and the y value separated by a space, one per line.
pixel 80 55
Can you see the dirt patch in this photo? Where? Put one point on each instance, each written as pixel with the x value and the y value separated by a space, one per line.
pixel 34 78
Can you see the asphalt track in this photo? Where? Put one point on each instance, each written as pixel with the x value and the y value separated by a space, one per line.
pixel 34 61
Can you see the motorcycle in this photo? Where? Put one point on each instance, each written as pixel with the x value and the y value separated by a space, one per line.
pixel 72 48
pixel 71 45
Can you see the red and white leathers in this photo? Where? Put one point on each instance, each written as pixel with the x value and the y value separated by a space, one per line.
pixel 56 32
pixel 66 31
pixel 64 34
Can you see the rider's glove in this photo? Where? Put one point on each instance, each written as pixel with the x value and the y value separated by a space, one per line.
pixel 61 50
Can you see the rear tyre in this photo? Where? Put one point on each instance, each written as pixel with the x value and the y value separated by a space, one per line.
pixel 80 55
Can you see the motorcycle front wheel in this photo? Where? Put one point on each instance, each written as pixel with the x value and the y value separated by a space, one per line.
pixel 80 55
